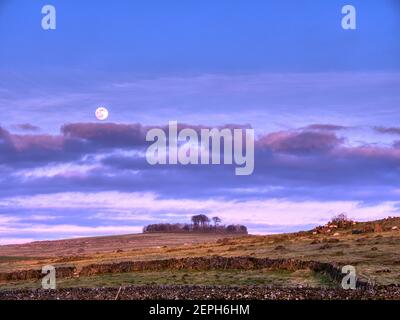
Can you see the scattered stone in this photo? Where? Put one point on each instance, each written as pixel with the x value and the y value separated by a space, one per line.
pixel 199 292
pixel 383 271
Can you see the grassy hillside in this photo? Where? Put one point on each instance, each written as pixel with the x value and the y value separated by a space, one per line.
pixel 374 253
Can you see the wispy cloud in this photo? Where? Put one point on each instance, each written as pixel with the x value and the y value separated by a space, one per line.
pixel 6 241
pixel 116 206
pixel 322 147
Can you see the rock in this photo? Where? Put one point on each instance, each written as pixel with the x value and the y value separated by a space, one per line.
pixel 383 271
pixel 201 292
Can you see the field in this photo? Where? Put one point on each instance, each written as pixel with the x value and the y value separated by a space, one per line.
pixel 274 261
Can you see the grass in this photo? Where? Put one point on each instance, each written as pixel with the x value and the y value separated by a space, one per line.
pixel 369 253
pixel 185 277
pixel 4 259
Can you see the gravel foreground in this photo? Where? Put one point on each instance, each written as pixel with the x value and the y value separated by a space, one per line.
pixel 157 292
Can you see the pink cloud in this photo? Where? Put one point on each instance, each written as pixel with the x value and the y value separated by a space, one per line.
pixel 299 142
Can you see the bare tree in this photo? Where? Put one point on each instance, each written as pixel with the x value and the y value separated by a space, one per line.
pixel 216 221
pixel 195 221
pixel 204 220
pixel 184 227
pixel 341 220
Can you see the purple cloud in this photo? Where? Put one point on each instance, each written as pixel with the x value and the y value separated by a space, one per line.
pixel 303 142
pixel 302 163
pixel 110 135
pixel 323 127
pixel 27 127
pixel 388 130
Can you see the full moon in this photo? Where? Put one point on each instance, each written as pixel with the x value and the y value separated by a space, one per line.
pixel 101 114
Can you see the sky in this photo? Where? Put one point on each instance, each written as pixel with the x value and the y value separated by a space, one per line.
pixel 322 100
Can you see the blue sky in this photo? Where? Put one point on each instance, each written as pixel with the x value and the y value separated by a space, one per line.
pixel 324 103
pixel 164 37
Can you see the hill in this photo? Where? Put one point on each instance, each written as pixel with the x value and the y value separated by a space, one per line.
pixel 311 259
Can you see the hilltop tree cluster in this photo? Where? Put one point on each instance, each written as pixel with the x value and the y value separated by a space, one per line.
pixel 338 222
pixel 199 223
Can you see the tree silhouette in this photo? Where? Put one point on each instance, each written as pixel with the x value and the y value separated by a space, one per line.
pixel 204 220
pixel 216 221
pixel 200 220
pixel 200 223
pixel 195 221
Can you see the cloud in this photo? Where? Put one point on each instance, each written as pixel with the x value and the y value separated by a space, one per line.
pixel 323 127
pixel 269 101
pixel 94 178
pixel 111 135
pixel 85 157
pixel 315 144
pixel 388 130
pixel 44 230
pixel 26 127
pixel 31 150
pixel 304 142
pixel 8 219
pixel 58 170
pixel 77 141
pixel 6 241
pixel 135 206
